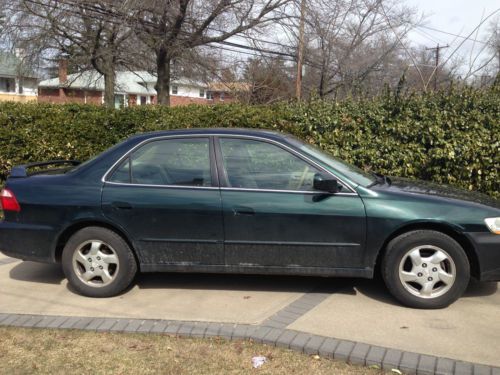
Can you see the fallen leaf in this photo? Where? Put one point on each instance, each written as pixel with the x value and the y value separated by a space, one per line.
pixel 316 357
pixel 395 370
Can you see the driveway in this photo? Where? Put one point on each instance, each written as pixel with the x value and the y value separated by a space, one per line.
pixel 352 309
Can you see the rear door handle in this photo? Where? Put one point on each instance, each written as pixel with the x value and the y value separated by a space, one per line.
pixel 241 210
pixel 122 205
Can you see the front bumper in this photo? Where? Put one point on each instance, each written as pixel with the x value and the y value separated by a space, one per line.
pixel 487 246
pixel 27 242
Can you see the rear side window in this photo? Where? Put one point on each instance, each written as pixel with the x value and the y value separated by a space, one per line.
pixel 181 162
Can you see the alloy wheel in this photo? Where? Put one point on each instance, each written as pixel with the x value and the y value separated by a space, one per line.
pixel 427 271
pixel 95 263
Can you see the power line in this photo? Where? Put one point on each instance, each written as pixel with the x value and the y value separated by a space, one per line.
pixel 255 48
pixel 429 36
pixel 255 39
pixel 242 52
pixel 448 33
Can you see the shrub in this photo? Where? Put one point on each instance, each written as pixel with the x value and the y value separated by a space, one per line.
pixel 448 137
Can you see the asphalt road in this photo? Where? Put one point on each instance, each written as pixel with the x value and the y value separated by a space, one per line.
pixel 359 310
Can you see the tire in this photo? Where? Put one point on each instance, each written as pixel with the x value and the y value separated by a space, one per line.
pixel 98 262
pixel 425 269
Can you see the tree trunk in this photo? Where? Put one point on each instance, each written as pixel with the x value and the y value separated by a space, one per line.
pixel 322 83
pixel 323 70
pixel 163 81
pixel 109 90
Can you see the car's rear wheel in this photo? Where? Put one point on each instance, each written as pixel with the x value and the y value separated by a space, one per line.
pixel 425 269
pixel 98 262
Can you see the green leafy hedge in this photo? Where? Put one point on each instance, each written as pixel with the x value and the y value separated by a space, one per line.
pixel 449 137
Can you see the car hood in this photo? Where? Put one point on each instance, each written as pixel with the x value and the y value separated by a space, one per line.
pixel 406 185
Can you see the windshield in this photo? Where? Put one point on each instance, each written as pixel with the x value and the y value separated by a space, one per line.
pixel 350 171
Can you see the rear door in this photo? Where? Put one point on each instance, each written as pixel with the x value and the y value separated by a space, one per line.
pixel 274 218
pixel 165 196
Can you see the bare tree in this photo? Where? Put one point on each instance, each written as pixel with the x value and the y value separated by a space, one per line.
pixel 484 64
pixel 91 34
pixel 269 79
pixel 170 27
pixel 350 45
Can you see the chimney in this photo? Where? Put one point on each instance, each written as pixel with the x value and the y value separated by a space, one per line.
pixel 63 71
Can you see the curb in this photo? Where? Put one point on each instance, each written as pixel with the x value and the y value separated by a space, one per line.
pixel 344 350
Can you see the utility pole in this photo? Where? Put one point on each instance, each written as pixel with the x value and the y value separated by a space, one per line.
pixel 300 52
pixel 436 66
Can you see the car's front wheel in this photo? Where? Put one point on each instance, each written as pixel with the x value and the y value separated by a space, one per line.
pixel 425 269
pixel 98 263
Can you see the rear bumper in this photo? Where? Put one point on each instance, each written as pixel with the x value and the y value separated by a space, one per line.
pixel 27 242
pixel 487 246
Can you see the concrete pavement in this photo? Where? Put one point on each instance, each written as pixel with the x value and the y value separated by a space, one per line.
pixel 309 309
pixel 362 310
pixel 32 288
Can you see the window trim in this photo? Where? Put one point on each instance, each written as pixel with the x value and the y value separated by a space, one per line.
pixel 216 164
pixel 213 173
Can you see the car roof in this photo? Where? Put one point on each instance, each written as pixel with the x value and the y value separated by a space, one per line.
pixel 264 133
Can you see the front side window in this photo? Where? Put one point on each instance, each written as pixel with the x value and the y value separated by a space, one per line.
pixel 260 165
pixel 175 89
pixel 202 93
pixel 352 172
pixel 182 162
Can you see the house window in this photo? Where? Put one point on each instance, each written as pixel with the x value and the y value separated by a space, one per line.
pixel 221 96
pixel 210 95
pixel 7 84
pixel 143 100
pixel 175 90
pixel 202 93
pixel 119 101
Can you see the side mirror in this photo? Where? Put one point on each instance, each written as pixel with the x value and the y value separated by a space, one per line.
pixel 325 184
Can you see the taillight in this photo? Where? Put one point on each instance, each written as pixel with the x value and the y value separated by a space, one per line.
pixel 8 201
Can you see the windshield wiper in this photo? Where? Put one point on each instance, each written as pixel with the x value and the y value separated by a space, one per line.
pixel 380 179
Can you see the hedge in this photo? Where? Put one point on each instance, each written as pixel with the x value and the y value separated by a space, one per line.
pixel 448 137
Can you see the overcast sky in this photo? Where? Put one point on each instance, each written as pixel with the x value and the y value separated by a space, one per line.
pixel 456 17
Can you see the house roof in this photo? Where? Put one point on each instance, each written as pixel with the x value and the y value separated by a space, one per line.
pixel 12 66
pixel 138 82
pixel 129 82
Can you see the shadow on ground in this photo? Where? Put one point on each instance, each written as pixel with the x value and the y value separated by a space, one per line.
pixel 374 289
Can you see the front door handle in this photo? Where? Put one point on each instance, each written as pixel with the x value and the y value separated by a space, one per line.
pixel 241 210
pixel 122 205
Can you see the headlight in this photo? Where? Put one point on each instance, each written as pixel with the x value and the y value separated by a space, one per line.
pixel 493 224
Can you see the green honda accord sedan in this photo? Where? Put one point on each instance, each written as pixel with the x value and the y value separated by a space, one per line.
pixel 246 201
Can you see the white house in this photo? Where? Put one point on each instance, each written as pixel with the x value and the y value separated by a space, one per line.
pixel 17 82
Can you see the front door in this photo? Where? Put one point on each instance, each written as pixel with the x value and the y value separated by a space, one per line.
pixel 165 196
pixel 274 218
